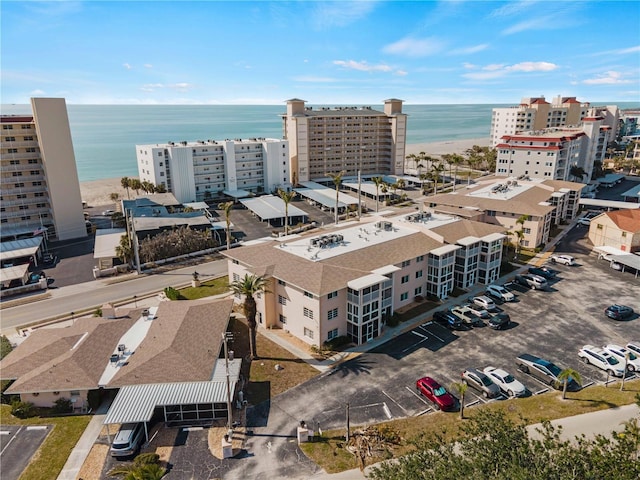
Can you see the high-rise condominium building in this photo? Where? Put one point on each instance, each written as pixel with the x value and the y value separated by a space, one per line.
pixel 40 185
pixel 537 114
pixel 556 152
pixel 350 139
pixel 196 171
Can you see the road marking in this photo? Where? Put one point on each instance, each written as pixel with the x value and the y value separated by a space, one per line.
pixel 417 396
pixel 427 410
pixel 389 397
pixel 10 440
pixel 419 334
pixel 483 400
pixel 191 429
pixel 472 403
pixel 544 390
pixel 37 427
pixel 387 412
pixel 5 432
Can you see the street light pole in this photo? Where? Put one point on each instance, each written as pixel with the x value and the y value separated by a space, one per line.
pixel 624 372
pixel 225 336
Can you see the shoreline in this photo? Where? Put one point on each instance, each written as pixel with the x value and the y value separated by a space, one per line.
pixel 98 192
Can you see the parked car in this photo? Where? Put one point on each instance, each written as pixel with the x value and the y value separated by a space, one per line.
pixel 481 382
pixel 128 440
pixel 506 382
pixel 49 259
pixel 534 282
pixel 500 321
pixel 478 310
pixel 624 355
pixel 634 347
pixel 447 319
pixel 499 291
pixel 436 393
pixel 545 371
pixel 602 359
pixel 543 272
pixel 466 315
pixel 563 259
pixel 108 213
pixel 485 302
pixel 618 312
pixel 584 221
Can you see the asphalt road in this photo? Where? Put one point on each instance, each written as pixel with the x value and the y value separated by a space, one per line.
pixel 17 446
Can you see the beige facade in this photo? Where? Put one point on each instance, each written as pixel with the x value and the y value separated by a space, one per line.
pixel 350 139
pixel 348 281
pixel 40 185
pixel 618 229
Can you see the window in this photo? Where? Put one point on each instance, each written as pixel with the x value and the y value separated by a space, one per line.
pixel 282 300
pixel 332 334
pixel 406 263
pixel 331 314
pixel 599 226
pixel 307 312
pixel 308 332
pixel 420 258
pixel 418 291
pixel 405 279
pixel 419 274
pixel 308 294
pixel 282 319
pixel 280 282
pixel 332 295
pixel 404 296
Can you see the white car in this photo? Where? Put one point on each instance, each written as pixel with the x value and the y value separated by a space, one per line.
pixel 499 291
pixel 484 302
pixel 584 221
pixel 467 315
pixel 563 259
pixel 602 359
pixel 505 381
pixel 108 213
pixel 633 361
pixel 634 347
pixel 478 310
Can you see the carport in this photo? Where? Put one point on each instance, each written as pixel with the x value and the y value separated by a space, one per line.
pixel 181 402
pixel 19 272
pixel 106 242
pixel 270 207
pixel 628 260
pixel 16 249
pixel 236 194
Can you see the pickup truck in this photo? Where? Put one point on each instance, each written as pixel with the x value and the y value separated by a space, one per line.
pixel 466 315
pixel 544 371
pixel 447 319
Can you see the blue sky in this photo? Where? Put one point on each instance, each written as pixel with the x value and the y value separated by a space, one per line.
pixel 348 52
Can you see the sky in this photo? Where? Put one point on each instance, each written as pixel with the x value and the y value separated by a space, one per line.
pixel 346 52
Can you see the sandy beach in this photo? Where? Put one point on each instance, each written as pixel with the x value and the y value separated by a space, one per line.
pixel 98 192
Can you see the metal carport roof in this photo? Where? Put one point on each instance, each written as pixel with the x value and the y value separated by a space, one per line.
pixel 269 207
pixel 135 403
pixel 26 247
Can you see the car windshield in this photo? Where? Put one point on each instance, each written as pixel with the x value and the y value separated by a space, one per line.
pixel 612 361
pixel 509 379
pixel 553 368
pixel 632 356
pixel 438 392
pixel 486 381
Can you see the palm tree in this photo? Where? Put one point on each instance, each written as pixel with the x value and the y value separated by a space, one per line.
pixel 461 389
pixel 577 172
pixel 248 286
pixel 455 160
pixel 286 198
pixel 226 208
pixel 565 377
pixel 401 183
pixel 114 197
pixel 161 188
pixel 378 182
pixel 136 184
pixel 126 183
pixel 412 157
pixel 124 250
pixel 337 181
pixel 520 233
pixel 435 172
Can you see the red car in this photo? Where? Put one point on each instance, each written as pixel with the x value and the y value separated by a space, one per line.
pixel 436 393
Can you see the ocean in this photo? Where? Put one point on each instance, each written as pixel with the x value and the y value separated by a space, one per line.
pixel 105 136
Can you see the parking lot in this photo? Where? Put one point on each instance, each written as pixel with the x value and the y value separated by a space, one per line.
pixel 554 324
pixel 17 446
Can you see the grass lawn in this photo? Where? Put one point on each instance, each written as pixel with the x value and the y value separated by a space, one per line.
pixel 206 289
pixel 48 461
pixel 331 455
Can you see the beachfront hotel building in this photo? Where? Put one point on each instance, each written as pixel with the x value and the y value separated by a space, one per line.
pixel 351 139
pixel 348 280
pixel 197 171
pixel 503 201
pixel 552 152
pixel 40 188
pixel 536 113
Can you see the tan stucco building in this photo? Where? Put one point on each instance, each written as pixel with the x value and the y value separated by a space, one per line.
pixel 618 229
pixel 40 185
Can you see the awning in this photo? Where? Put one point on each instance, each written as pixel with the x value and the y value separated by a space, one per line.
pixel 135 403
pixel 366 281
pixel 107 239
pixel 18 272
pixel 269 207
pixel 237 193
pixel 19 248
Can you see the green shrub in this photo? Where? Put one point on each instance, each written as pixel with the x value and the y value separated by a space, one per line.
pixel 336 343
pixel 63 405
pixel 5 346
pixel 172 293
pixel 23 409
pixel 393 320
pixel 146 459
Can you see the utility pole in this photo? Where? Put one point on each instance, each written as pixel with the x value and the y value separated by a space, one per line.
pixel 348 427
pixel 134 243
pixel 225 337
pixel 624 372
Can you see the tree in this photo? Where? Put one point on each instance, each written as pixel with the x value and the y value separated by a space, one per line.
pixel 5 346
pixel 124 251
pixel 337 181
pixel 148 187
pixel 161 188
pixel 126 184
pixel 378 182
pixel 145 466
pixel 226 208
pixel 461 389
pixel 577 172
pixel 114 196
pixel 436 169
pixel 286 198
pixel 248 286
pixel 455 160
pixel 565 377
pixel 520 233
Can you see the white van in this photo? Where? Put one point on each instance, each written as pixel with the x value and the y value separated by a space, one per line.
pixel 127 440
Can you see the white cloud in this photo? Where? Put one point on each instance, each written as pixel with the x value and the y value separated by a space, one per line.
pixel 537 23
pixel 362 66
pixel 127 66
pixel 512 8
pixel 180 87
pixel 401 73
pixel 469 50
pixel 340 14
pixel 414 47
pixel 608 78
pixel 312 79
pixel 469 66
pixel 532 67
pixel 496 70
pixel 148 65
pixel 37 92
pixel 493 66
pixel 624 51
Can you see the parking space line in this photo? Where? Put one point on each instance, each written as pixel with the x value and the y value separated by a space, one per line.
pixel 387 412
pixel 483 400
pixel 544 390
pixel 389 397
pixel 37 427
pixel 10 440
pixel 472 403
pixel 424 411
pixel 417 396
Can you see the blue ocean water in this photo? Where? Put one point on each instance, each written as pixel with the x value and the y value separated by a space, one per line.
pixel 105 136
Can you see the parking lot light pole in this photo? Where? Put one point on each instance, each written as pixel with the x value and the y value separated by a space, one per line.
pixel 624 371
pixel 225 337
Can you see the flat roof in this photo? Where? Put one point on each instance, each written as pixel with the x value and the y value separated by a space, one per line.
pixel 330 193
pixel 106 241
pixel 237 193
pixel 136 403
pixel 269 207
pixel 366 187
pixel 596 202
pixel 632 192
pixel 366 281
pixel 13 273
pixel 19 248
pixel 319 197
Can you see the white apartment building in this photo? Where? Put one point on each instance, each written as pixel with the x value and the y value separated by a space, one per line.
pixel 40 185
pixel 197 171
pixel 503 201
pixel 550 153
pixel 350 139
pixel 349 280
pixel 536 113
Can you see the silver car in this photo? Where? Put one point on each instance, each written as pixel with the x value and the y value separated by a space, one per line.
pixel 479 381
